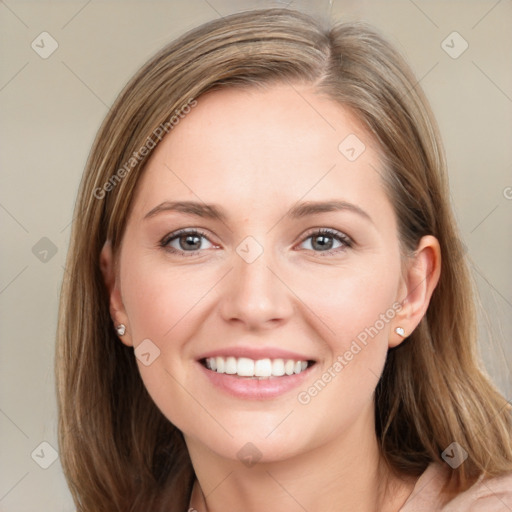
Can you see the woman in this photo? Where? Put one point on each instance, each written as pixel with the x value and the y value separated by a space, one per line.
pixel 266 295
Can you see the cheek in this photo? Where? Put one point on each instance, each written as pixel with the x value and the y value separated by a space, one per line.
pixel 160 299
pixel 358 310
pixel 164 304
pixel 353 303
pixel 356 307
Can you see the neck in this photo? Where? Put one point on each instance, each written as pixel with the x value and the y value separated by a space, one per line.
pixel 343 475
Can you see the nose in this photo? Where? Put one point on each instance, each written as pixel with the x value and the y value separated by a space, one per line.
pixel 254 294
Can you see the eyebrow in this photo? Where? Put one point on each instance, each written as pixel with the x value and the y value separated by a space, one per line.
pixel 315 207
pixel 214 212
pixel 189 207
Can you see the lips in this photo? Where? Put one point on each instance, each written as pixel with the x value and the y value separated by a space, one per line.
pixel 255 373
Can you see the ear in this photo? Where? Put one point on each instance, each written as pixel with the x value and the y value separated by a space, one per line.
pixel 420 278
pixel 111 279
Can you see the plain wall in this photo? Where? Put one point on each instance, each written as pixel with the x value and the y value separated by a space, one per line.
pixel 50 110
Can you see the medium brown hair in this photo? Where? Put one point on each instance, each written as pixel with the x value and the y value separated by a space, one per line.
pixel 118 451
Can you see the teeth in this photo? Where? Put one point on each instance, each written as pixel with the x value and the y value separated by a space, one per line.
pixel 262 368
pixel 278 367
pixel 230 367
pixel 245 367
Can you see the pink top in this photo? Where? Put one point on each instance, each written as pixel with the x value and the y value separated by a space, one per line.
pixel 493 495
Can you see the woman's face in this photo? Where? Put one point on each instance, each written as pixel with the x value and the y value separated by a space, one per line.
pixel 290 253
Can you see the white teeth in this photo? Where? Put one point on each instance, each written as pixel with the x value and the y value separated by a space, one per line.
pixel 262 368
pixel 230 367
pixel 278 367
pixel 245 367
pixel 219 363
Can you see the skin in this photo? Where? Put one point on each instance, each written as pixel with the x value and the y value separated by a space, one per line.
pixel 256 153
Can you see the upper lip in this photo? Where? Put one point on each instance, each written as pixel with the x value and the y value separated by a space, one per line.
pixel 255 353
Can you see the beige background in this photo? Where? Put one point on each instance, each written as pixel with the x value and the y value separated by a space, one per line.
pixel 51 108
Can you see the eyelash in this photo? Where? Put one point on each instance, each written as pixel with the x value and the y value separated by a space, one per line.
pixel 173 236
pixel 345 240
pixel 340 237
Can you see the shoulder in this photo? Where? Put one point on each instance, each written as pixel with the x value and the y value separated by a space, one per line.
pixel 489 495
pixel 486 495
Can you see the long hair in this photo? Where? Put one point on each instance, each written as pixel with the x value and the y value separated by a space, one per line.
pixel 118 451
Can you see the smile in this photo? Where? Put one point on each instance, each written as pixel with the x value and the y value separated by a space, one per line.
pixel 258 369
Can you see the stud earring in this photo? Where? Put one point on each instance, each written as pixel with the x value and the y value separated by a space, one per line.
pixel 121 329
pixel 400 331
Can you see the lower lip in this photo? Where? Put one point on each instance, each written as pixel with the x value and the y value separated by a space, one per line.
pixel 255 389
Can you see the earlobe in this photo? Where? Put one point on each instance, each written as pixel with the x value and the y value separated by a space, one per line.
pixel 117 310
pixel 421 278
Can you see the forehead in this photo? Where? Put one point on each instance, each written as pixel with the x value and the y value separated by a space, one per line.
pixel 244 146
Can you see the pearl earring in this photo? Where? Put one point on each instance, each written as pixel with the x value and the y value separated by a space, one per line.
pixel 121 329
pixel 400 331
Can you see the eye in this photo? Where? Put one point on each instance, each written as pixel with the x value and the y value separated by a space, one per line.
pixel 327 241
pixel 186 242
